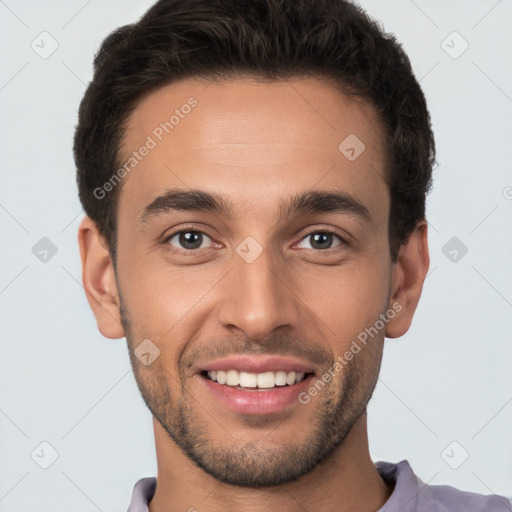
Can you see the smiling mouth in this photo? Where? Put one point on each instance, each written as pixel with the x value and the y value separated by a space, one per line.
pixel 248 381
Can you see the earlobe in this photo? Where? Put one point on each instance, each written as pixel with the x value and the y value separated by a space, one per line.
pixel 99 281
pixel 408 276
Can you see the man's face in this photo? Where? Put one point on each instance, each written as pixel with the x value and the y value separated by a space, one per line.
pixel 195 283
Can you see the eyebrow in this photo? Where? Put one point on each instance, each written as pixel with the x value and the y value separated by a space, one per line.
pixel 315 201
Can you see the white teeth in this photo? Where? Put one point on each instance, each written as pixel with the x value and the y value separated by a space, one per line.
pixel 290 378
pixel 247 380
pixel 280 378
pixel 232 378
pixel 264 380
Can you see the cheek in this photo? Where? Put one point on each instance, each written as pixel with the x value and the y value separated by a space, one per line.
pixel 347 299
pixel 167 305
pixel 158 294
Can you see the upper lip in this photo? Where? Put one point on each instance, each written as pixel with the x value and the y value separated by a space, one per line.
pixel 255 364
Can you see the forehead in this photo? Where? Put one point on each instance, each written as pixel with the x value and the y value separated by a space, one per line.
pixel 252 141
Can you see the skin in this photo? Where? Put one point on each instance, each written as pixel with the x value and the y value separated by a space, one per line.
pixel 257 144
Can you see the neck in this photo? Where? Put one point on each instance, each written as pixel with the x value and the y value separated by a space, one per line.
pixel 348 480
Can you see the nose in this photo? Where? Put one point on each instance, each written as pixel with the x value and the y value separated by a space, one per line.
pixel 258 299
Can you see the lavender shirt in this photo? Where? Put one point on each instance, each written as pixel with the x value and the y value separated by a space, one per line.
pixel 409 495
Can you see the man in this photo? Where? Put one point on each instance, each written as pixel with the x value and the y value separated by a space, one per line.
pixel 254 176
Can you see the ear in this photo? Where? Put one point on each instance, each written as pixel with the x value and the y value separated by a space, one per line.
pixel 408 275
pixel 98 279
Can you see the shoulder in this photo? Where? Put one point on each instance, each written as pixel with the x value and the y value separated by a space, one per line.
pixel 143 491
pixel 410 493
pixel 447 499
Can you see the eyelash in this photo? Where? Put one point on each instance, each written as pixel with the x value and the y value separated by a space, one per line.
pixel 190 252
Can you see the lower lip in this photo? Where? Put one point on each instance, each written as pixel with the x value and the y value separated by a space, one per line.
pixel 260 401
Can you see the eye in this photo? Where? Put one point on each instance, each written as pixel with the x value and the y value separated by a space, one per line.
pixel 188 240
pixel 321 240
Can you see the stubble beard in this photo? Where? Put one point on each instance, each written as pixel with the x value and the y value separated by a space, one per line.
pixel 245 463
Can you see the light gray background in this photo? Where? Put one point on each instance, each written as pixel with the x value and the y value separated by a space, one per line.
pixel 448 380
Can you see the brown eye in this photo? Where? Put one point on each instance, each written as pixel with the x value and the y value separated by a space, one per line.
pixel 188 240
pixel 322 240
